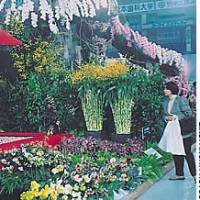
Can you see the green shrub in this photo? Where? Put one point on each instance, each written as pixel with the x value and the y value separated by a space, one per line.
pixel 43 99
pixel 148 102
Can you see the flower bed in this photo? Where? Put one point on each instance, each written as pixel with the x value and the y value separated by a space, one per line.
pixel 84 170
pixel 91 145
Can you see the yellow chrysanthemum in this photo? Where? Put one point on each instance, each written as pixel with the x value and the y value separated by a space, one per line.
pixel 113 70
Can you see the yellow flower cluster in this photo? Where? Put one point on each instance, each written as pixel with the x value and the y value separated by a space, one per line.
pixel 48 191
pixel 40 56
pixel 97 72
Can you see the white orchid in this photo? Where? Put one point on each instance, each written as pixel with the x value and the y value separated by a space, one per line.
pixel 64 10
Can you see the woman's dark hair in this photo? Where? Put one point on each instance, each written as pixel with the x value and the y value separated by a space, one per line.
pixel 172 87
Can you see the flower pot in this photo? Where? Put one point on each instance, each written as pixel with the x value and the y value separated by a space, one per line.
pixel 120 138
pixel 92 106
pixel 94 134
pixel 122 111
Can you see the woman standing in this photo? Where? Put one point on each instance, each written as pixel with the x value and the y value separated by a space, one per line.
pixel 177 108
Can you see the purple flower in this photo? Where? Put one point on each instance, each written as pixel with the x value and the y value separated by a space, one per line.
pixel 90 145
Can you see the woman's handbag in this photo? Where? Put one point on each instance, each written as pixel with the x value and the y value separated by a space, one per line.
pixel 188 125
pixel 168 143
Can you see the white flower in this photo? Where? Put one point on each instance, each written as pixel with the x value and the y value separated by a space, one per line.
pixel 13 5
pixel 77 178
pixel 76 194
pixel 16 161
pixel 4 161
pixel 8 15
pixel 2 3
pixel 104 3
pixel 113 160
pixel 68 189
pixel 34 19
pixel 21 168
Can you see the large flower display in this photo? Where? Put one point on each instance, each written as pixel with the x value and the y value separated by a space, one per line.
pixel 61 10
pixel 154 51
pixel 91 81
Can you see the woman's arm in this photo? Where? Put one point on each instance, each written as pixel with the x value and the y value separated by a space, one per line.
pixel 185 110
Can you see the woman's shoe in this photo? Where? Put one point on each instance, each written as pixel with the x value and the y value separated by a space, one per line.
pixel 174 178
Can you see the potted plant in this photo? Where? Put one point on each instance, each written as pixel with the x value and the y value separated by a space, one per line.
pixel 120 94
pixel 88 82
pixel 120 99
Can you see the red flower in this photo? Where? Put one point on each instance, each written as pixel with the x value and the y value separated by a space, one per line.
pixel 1 167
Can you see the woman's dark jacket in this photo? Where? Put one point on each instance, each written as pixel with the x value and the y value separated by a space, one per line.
pixel 180 108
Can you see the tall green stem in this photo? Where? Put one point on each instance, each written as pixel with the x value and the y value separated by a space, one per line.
pixel 92 105
pixel 121 109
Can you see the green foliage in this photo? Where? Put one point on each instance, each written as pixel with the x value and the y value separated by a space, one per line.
pixel 38 51
pixel 166 157
pixel 4 121
pixel 120 93
pixel 151 167
pixel 41 100
pixel 78 133
pixel 148 101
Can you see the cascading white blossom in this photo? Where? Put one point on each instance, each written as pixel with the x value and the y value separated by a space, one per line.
pixel 34 19
pixel 164 55
pixel 63 10
pixel 8 17
pixel 91 7
pixel 27 7
pixel 97 4
pixel 43 5
pixel 13 5
pixel 2 3
pixel 104 3
pixel 57 11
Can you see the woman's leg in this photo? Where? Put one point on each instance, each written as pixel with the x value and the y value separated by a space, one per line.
pixel 179 164
pixel 189 155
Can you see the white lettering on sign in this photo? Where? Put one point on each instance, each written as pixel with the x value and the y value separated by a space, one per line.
pixel 155 5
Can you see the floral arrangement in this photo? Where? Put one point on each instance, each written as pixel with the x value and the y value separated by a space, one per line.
pixel 87 181
pixel 35 53
pixel 29 156
pixel 122 116
pixel 64 10
pixel 90 71
pixel 120 93
pixel 154 51
pixel 89 80
pixel 91 96
pixel 115 84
